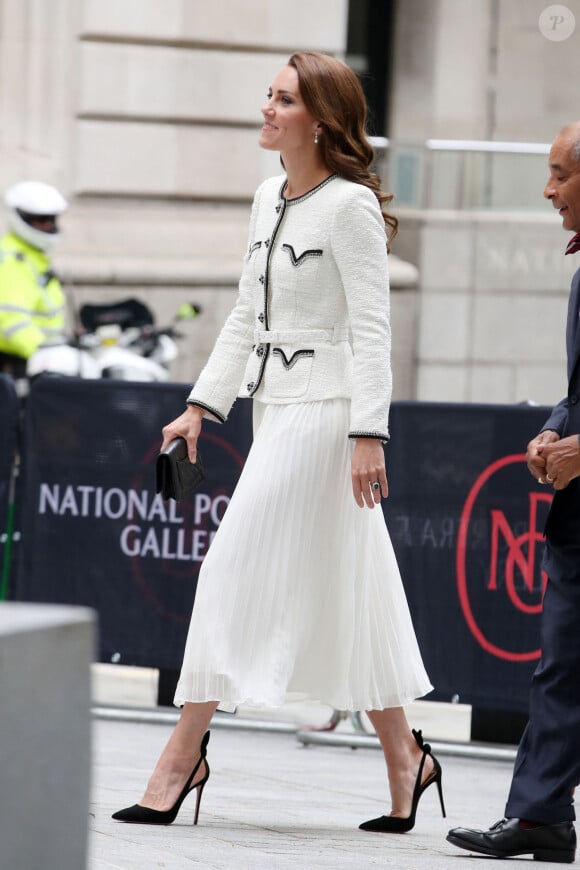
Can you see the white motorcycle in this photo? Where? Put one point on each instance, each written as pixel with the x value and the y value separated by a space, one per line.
pixel 118 341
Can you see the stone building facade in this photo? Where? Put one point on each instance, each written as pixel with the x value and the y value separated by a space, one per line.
pixel 146 113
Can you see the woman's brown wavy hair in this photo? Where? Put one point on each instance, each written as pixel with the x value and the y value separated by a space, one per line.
pixel 333 95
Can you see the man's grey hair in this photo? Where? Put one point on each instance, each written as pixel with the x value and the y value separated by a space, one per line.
pixel 572 132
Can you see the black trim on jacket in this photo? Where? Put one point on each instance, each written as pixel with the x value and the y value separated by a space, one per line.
pixel 211 410
pixel 378 435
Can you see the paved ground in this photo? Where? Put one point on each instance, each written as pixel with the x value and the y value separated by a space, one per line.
pixel 271 803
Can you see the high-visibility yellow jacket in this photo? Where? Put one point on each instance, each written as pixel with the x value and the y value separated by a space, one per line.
pixel 32 302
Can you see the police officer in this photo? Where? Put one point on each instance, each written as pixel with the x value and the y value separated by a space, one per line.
pixel 32 302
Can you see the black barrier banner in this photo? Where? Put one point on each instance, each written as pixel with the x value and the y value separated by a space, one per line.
pixel 9 410
pixel 466 519
pixel 95 533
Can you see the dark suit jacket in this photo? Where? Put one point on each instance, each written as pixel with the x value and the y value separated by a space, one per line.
pixel 563 524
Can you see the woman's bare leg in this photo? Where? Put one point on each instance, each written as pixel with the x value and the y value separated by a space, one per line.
pixel 402 755
pixel 179 757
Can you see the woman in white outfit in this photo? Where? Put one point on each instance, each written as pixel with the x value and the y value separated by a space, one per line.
pixel 300 591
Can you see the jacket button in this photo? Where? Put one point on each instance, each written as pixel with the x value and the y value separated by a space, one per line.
pixel 573 399
pixel 261 279
pixel 261 318
pixel 260 350
pixel 250 386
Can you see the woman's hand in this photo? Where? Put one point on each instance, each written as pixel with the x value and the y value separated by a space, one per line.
pixel 368 468
pixel 188 425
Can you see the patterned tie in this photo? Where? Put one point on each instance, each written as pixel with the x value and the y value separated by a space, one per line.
pixel 571 248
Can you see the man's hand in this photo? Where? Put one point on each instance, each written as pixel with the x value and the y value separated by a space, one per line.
pixel 562 460
pixel 536 461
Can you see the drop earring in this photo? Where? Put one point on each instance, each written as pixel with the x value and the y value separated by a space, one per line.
pixel 316 137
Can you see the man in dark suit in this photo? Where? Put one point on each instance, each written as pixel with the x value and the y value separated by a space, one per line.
pixel 539 812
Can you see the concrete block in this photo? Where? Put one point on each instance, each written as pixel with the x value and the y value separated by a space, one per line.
pixel 123 686
pixel 45 750
pixel 174 83
pixel 437 382
pixel 543 384
pixel 404 324
pixel 444 327
pixel 447 255
pixel 491 383
pixel 165 160
pixel 320 25
pixel 175 233
pixel 518 328
pixel 522 255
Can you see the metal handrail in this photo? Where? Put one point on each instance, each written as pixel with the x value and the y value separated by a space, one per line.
pixel 383 143
pixel 484 145
pixel 462 184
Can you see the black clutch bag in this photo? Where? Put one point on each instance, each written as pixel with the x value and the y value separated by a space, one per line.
pixel 175 476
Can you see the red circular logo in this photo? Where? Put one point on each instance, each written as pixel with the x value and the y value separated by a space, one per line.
pixel 511 569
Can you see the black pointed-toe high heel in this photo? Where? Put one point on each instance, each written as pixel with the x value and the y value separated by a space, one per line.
pixel 396 824
pixel 146 816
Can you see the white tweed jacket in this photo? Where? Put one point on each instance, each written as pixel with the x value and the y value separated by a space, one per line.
pixel 311 321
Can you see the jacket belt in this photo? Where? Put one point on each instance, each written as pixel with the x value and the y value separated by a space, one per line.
pixel 302 336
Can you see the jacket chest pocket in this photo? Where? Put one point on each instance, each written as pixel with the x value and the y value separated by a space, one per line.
pixel 296 266
pixel 288 372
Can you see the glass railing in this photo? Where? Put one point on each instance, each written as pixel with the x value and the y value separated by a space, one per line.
pixel 464 174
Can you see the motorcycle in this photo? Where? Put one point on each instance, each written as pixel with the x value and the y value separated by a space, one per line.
pixel 118 340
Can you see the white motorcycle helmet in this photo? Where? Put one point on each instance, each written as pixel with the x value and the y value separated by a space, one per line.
pixel 33 208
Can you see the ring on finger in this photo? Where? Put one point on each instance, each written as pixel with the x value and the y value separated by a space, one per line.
pixel 376 485
pixel 549 479
pixel 541 480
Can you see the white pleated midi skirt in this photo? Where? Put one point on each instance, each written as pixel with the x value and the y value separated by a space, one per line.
pixel 300 594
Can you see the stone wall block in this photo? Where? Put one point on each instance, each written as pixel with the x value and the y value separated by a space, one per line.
pixel 447 255
pixel 439 382
pixel 177 84
pixel 524 255
pixel 517 328
pixel 491 380
pixel 320 25
pixel 444 328
pixel 160 160
pixel 544 384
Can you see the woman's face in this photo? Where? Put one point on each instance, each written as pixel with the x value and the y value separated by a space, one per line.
pixel 288 125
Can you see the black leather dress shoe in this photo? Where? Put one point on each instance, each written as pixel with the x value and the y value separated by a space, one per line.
pixel 505 839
